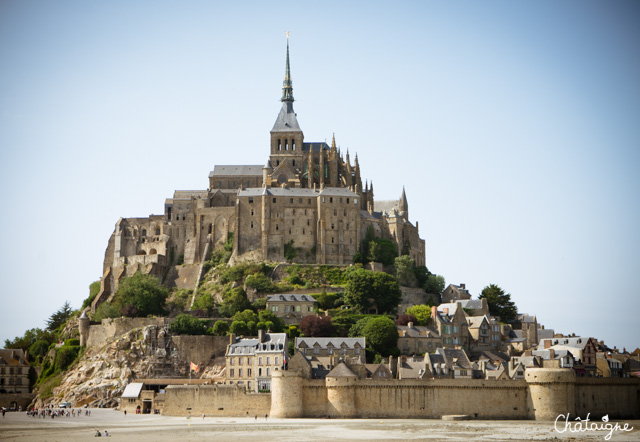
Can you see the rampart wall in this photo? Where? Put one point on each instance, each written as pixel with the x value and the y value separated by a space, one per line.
pixel 215 400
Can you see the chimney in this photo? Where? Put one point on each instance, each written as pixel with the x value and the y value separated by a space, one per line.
pixel 410 324
pixel 434 312
pixel 528 353
pixel 260 335
pixel 547 343
pixel 232 338
pixel 552 353
pixel 445 310
pixel 463 286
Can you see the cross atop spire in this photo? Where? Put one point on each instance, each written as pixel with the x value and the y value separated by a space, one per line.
pixel 287 87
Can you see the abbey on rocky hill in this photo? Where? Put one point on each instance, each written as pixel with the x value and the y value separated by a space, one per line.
pixel 307 192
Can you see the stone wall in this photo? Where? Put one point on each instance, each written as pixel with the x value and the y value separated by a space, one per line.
pixel 215 400
pixel 100 334
pixel 9 400
pixel 200 349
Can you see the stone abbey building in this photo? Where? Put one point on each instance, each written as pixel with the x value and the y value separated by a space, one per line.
pixel 305 192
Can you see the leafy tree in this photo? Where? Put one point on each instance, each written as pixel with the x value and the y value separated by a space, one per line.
pixel 326 300
pixel 144 292
pixel 386 292
pixel 421 273
pixel 186 324
pixel 260 282
pixel 259 304
pixel 106 310
pixel 382 250
pixel 500 303
pixel 316 326
pixel 239 328
pixel 356 329
pixel 60 317
pixel 39 349
pixel 381 334
pixel 404 270
pixel 422 313
pixel 363 285
pixel 405 319
pixel 236 302
pixel 25 341
pixel 246 316
pixel 434 284
pixel 220 328
pixel 276 325
pixel 204 302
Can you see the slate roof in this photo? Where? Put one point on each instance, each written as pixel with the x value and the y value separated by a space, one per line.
pixel 279 191
pixel 546 333
pixel 338 191
pixel 189 194
pixel 250 346
pixel 236 170
pixel 286 121
pixel 574 341
pixel 473 304
pixel 523 317
pixel 417 331
pixel 341 370
pixel 336 342
pixel 492 356
pixel 385 205
pixel 315 147
pixel 291 298
pixel 476 321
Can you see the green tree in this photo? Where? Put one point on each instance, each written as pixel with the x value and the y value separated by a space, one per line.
pixel 246 316
pixel 271 321
pixel 421 273
pixel 405 271
pixel 434 284
pixel 382 250
pixel 239 328
pixel 236 302
pixel 500 303
pixel 60 317
pixel 143 292
pixel 356 329
pixel 220 328
pixel 260 282
pixel 381 334
pixel 106 310
pixel 39 349
pixel 25 341
pixel 386 292
pixel 422 313
pixel 185 324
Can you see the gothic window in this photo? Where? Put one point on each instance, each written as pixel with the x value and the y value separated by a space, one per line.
pixel 294 163
pixel 157 231
pixel 293 147
pixel 251 214
pixel 277 162
pixel 144 232
pixel 279 144
pixel 277 228
pixel 286 144
pixel 252 224
pixel 332 240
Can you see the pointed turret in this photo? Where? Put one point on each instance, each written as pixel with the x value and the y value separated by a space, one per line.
pixel 403 206
pixel 333 144
pixel 287 86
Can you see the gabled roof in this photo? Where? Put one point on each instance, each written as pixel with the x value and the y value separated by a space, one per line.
pixel 189 194
pixel 132 390
pixel 341 371
pixel 236 170
pixel 417 331
pixel 476 321
pixel 291 298
pixel 335 342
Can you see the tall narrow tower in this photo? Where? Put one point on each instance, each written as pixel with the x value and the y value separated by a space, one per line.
pixel 286 135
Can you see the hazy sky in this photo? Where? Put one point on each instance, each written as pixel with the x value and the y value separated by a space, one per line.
pixel 514 127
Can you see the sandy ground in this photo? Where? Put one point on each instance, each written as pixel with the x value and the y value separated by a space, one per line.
pixel 19 427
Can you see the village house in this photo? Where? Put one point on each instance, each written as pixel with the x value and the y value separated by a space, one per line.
pixel 14 371
pixel 292 308
pixel 324 354
pixel 484 332
pixel 583 350
pixel 451 323
pixel 251 361
pixel 455 292
pixel 449 363
pixel 418 339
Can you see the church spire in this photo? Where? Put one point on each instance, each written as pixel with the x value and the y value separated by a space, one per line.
pixel 287 87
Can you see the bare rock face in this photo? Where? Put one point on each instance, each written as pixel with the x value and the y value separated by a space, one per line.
pixel 101 375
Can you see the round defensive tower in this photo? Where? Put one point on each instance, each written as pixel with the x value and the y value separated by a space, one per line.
pixel 552 392
pixel 83 325
pixel 286 394
pixel 341 396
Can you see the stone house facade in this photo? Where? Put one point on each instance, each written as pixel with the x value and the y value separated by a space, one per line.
pixel 291 307
pixel 306 195
pixel 250 362
pixel 418 339
pixel 451 323
pixel 14 371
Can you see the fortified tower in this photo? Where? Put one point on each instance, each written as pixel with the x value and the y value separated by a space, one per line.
pixel 341 392
pixel 286 394
pixel 552 392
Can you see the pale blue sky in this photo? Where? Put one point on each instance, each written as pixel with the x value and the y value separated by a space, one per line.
pixel 514 127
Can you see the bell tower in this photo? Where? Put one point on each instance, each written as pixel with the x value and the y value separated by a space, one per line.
pixel 286 136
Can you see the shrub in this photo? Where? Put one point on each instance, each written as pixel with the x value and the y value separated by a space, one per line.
pixel 260 282
pixel 185 324
pixel 220 328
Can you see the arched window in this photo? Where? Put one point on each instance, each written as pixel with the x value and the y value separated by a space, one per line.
pixel 144 232
pixel 293 145
pixel 279 144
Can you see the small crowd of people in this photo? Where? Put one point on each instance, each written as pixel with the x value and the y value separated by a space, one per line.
pixel 57 412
